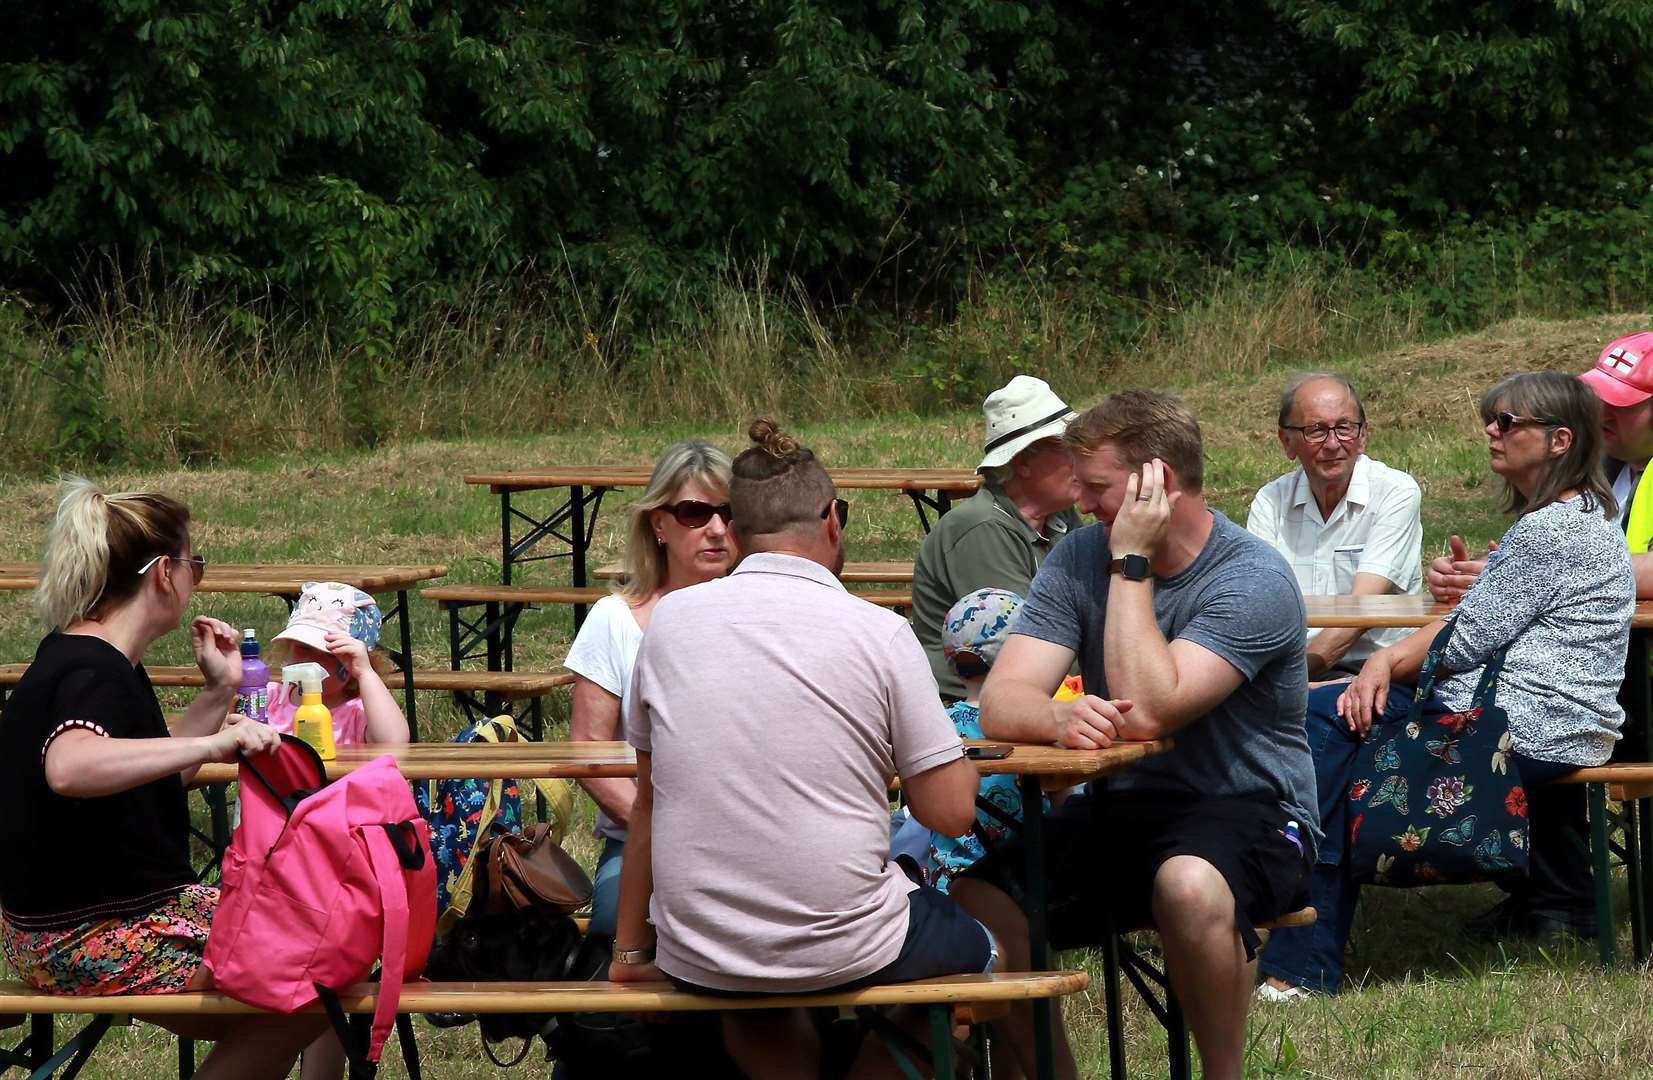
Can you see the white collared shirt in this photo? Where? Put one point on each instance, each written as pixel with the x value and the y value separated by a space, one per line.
pixel 1375 529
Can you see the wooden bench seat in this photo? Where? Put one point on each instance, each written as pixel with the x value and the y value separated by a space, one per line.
pixel 480 997
pixel 1625 781
pixel 467 595
pixel 939 996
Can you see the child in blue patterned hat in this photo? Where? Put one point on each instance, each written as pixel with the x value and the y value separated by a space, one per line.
pixel 971 636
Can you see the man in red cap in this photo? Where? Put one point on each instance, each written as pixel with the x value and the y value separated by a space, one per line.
pixel 1623 380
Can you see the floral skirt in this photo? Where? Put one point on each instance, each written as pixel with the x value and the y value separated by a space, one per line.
pixel 157 952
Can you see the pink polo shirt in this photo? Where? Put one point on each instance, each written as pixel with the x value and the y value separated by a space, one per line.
pixel 776 707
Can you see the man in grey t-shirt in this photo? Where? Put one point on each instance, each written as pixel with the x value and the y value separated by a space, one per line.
pixel 1186 627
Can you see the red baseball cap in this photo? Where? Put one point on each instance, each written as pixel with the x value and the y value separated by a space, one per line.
pixel 1623 374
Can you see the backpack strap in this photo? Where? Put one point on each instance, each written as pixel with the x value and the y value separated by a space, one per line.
pixel 558 794
pixel 390 851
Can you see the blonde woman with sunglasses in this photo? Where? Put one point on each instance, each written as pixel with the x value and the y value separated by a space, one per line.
pixel 678 535
pixel 96 886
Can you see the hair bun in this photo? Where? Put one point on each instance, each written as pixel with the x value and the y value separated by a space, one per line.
pixel 770 436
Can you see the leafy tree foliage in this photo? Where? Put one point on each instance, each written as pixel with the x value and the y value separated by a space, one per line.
pixel 345 153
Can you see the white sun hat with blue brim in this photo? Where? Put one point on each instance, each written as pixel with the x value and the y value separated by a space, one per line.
pixel 1019 414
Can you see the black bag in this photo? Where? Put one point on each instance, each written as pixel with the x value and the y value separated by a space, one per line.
pixel 516 946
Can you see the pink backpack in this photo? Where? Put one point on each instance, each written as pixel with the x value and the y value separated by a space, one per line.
pixel 320 881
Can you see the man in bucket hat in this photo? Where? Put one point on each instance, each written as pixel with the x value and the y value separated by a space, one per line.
pixel 997 538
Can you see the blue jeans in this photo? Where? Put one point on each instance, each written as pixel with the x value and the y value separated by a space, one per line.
pixel 605 888
pixel 1312 956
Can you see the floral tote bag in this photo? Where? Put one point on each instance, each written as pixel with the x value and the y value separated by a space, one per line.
pixel 1437 799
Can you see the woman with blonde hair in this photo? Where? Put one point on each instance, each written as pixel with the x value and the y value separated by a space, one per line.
pixel 677 535
pixel 97 895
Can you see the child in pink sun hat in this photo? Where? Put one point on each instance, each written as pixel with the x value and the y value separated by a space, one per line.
pixel 337 626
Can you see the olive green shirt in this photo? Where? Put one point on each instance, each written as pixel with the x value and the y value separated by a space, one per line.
pixel 982 543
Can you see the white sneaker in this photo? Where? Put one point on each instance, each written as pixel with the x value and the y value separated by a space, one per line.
pixel 1270 993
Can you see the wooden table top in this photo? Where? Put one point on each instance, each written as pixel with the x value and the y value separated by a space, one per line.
pixel 274 578
pixel 854 573
pixel 588 760
pixel 953 481
pixel 1405 611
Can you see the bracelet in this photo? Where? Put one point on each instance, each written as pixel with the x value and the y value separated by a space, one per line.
pixel 633 956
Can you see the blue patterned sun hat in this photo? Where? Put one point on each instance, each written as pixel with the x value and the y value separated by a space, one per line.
pixel 979 623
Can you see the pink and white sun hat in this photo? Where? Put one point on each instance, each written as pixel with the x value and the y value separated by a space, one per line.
pixel 333 606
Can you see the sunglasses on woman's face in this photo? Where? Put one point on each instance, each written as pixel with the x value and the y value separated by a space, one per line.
pixel 1507 420
pixel 694 514
pixel 840 505
pixel 197 564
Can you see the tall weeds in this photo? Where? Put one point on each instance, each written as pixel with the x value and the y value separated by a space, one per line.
pixel 180 378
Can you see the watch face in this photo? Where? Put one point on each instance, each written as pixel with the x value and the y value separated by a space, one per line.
pixel 1135 567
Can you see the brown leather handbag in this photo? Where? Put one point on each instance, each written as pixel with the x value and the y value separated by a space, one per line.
pixel 529 871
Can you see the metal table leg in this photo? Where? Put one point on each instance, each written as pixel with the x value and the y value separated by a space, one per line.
pixel 1033 839
pixel 402 613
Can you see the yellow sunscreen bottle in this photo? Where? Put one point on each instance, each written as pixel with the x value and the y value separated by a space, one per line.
pixel 313 722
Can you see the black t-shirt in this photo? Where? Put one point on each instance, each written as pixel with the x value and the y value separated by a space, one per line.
pixel 64 861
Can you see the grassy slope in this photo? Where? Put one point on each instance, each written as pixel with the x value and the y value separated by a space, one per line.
pixel 1430 1004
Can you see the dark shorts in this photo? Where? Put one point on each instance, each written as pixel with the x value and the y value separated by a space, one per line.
pixel 1102 852
pixel 942 939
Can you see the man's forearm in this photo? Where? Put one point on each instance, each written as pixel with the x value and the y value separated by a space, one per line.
pixel 1138 660
pixel 1329 646
pixel 1017 712
pixel 1642 565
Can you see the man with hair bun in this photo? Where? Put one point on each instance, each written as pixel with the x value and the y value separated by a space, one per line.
pixel 770 710
pixel 1185 626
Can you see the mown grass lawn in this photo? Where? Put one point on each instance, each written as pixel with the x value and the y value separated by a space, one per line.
pixel 1426 1002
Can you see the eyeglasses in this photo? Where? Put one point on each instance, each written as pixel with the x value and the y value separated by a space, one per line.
pixel 840 505
pixel 1317 434
pixel 1507 420
pixel 197 564
pixel 694 514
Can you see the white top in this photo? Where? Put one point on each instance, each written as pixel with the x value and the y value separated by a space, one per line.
pixel 776 706
pixel 1374 530
pixel 605 651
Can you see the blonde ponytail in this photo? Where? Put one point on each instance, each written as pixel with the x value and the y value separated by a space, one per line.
pixel 76 564
pixel 96 544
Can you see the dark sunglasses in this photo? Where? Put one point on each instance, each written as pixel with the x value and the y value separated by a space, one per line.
pixel 694 514
pixel 840 505
pixel 1507 420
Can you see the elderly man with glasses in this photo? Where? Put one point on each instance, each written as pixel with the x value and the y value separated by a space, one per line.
pixel 1346 523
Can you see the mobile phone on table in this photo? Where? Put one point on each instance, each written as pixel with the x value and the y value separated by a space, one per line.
pixel 988 751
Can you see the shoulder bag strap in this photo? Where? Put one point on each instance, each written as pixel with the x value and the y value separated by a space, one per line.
pixel 1431 662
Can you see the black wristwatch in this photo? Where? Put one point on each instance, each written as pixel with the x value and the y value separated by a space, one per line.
pixel 1134 567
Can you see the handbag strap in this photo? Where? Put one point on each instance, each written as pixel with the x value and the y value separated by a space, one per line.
pixel 1427 676
pixel 558 794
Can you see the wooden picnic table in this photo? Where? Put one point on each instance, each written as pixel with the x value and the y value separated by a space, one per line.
pixel 589 760
pixel 1407 611
pixel 573 520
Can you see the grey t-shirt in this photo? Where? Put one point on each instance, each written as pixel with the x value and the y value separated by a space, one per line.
pixel 1239 599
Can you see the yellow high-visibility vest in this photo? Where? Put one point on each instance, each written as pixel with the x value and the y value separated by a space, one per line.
pixel 1638 532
